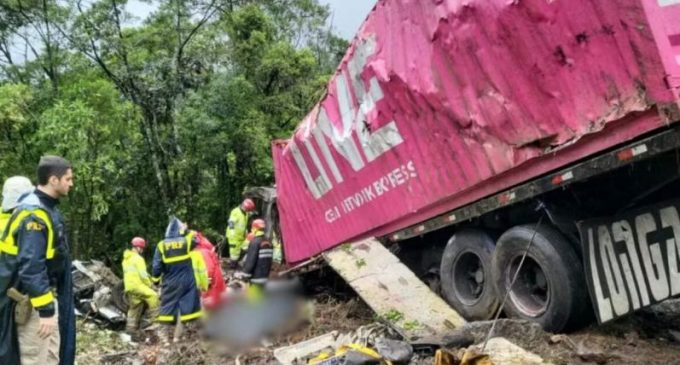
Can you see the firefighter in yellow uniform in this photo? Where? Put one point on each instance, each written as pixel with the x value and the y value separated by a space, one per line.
pixel 237 229
pixel 138 286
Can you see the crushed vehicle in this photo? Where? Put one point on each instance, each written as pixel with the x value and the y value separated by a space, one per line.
pixel 466 134
pixel 99 293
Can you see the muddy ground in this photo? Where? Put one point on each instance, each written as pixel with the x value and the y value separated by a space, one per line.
pixel 650 336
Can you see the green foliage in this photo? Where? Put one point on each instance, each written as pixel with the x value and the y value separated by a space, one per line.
pixel 412 325
pixel 391 316
pixel 171 116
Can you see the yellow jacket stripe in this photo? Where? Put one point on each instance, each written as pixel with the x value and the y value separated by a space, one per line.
pixel 42 300
pixel 7 243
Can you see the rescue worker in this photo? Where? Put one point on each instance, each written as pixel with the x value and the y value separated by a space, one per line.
pixel 173 267
pixel 138 287
pixel 34 263
pixel 237 228
pixel 212 264
pixel 259 257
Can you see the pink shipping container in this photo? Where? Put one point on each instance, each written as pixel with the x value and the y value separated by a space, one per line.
pixel 440 103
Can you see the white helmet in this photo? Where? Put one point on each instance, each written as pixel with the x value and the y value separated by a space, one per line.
pixel 13 189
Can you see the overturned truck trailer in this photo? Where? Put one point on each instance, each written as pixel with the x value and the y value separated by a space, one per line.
pixel 463 130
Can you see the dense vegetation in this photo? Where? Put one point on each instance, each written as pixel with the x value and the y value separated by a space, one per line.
pixel 172 114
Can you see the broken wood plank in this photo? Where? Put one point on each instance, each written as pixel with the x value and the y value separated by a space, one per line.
pixel 392 290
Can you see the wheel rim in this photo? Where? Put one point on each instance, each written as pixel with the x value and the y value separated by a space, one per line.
pixel 531 292
pixel 468 277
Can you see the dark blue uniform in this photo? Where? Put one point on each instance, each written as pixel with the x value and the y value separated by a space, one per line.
pixel 172 266
pixel 34 258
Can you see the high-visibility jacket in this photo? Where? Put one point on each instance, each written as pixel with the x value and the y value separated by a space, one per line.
pixel 200 270
pixel 173 267
pixel 135 277
pixel 237 228
pixel 33 222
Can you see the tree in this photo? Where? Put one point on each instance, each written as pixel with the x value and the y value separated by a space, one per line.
pixel 171 116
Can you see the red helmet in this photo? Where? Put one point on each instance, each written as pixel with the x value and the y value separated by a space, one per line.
pixel 258 224
pixel 248 205
pixel 138 242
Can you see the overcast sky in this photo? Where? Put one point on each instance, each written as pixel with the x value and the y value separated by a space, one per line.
pixel 346 15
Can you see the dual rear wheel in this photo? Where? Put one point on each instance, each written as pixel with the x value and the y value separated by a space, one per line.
pixel 476 272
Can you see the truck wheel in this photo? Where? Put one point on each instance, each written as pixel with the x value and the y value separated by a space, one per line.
pixel 466 275
pixel 550 287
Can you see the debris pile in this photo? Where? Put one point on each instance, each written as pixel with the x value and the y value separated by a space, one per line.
pixel 98 293
pixel 340 326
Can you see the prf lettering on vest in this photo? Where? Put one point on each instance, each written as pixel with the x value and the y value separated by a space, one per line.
pixel 174 245
pixel 354 120
pixel 633 262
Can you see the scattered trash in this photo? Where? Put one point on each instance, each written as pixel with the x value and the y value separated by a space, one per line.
pixel 500 351
pixel 367 335
pixel 125 337
pixel 394 350
pixel 351 354
pixel 473 357
pixel 289 354
pixel 445 357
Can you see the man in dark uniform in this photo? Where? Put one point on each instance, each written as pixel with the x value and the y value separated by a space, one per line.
pixel 173 268
pixel 34 264
pixel 259 257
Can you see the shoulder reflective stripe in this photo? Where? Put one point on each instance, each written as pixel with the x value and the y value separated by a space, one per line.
pixel 187 317
pixel 258 281
pixel 42 214
pixel 9 246
pixel 161 250
pixel 42 300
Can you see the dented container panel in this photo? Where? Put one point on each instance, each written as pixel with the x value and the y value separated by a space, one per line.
pixel 439 103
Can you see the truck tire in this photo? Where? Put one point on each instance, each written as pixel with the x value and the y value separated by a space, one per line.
pixel 465 273
pixel 550 287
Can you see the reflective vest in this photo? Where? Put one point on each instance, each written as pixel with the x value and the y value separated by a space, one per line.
pixel 135 277
pixel 9 246
pixel 7 243
pixel 200 270
pixel 237 228
pixel 176 249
